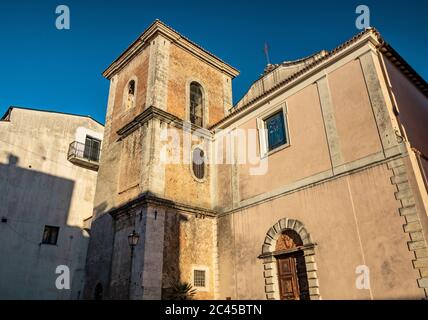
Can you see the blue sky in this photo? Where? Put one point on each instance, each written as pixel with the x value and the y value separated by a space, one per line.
pixel 60 70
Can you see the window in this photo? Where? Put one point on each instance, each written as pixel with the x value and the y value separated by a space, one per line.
pixel 275 130
pixel 198 163
pixel 196 104
pixel 92 149
pixel 130 99
pixel 199 278
pixel 50 235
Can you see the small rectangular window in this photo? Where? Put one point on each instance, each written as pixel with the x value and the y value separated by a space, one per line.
pixel 199 278
pixel 276 134
pixel 50 235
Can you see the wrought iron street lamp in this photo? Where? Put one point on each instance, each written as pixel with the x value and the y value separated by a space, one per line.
pixel 133 238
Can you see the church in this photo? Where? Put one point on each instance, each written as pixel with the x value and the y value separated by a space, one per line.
pixel 312 186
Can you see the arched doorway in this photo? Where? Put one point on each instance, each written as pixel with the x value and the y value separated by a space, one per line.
pixel 292 277
pixel 98 292
pixel 288 256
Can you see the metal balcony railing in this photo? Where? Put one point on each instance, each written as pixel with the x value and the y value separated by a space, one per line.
pixel 87 155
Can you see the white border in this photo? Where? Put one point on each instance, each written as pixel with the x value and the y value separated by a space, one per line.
pixel 261 127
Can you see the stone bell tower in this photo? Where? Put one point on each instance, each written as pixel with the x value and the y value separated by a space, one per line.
pixel 162 83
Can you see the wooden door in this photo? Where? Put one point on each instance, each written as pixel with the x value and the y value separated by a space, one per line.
pixel 288 278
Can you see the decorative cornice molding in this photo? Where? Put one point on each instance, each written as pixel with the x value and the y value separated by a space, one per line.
pixel 156 113
pixel 159 28
pixel 148 198
pixel 371 36
pixel 314 180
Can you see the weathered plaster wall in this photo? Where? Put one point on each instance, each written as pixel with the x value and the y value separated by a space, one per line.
pixel 351 128
pixel 98 260
pixel 355 122
pixel 122 161
pixel 222 187
pixel 180 183
pixel 413 108
pixel 38 187
pixel 304 157
pixel 350 226
pixel 335 111
pixel 131 165
pixel 130 179
pixel 137 69
pixel 106 189
pixel 189 241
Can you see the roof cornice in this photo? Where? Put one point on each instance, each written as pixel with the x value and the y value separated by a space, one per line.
pixel 160 28
pixel 368 36
pixel 398 61
pixel 11 108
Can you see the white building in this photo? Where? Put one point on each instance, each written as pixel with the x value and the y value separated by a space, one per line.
pixel 48 172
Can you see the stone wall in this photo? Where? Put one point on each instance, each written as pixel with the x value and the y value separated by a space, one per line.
pixel 189 242
pixel 185 68
pixel 180 182
pixel 137 70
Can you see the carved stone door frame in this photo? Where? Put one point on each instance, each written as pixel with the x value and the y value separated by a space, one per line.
pixel 269 260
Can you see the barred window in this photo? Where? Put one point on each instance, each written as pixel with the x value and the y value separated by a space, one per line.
pixel 198 163
pixel 199 278
pixel 196 104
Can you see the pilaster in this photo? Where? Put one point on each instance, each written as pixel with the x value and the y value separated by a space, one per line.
pixel 157 82
pixel 379 105
pixel 330 124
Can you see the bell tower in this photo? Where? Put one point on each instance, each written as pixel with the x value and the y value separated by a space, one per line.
pixel 163 89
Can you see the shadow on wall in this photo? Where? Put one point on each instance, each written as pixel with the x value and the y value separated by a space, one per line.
pixel 33 205
pixel 108 259
pixel 171 275
pixel 98 259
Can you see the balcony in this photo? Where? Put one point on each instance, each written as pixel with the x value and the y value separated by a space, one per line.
pixel 85 154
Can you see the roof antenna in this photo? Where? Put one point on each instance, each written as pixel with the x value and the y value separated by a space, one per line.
pixel 267 53
pixel 269 66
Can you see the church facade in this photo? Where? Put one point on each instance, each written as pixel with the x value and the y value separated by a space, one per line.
pixel 312 186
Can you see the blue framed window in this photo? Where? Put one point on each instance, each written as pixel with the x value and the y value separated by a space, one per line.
pixel 276 133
